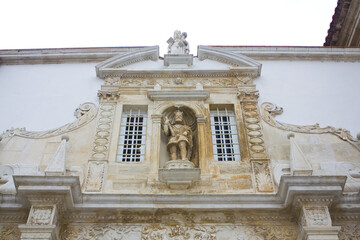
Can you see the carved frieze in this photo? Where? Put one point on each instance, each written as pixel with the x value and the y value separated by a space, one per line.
pixel 263 177
pixel 95 176
pixel 178 231
pixel 269 111
pixel 9 232
pixel 85 113
pixel 349 230
pixel 187 82
pixel 100 231
pixel 112 81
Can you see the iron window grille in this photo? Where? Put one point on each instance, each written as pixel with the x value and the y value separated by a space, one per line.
pixel 224 135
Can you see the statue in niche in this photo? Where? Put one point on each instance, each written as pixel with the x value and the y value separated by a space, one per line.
pixel 178 44
pixel 180 143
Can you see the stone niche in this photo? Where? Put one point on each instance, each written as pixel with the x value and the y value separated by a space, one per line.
pixel 179 148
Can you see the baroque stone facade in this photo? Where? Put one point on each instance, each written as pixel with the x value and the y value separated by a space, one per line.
pixel 179 148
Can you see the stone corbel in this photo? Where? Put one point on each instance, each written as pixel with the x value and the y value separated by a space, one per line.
pixel 49 197
pixel 314 218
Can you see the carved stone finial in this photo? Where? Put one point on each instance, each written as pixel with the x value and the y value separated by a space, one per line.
pixel 65 137
pixel 178 44
pixel 290 135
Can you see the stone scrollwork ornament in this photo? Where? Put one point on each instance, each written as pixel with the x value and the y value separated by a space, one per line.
pixel 180 142
pixel 270 110
pixel 84 114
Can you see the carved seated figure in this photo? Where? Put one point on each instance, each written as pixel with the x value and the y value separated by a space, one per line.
pixel 180 141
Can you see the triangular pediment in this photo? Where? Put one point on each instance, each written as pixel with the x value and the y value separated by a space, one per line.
pixel 210 61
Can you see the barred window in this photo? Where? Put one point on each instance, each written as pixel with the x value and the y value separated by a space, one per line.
pixel 224 134
pixel 131 146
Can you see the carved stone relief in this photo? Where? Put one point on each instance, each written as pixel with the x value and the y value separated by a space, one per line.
pixel 316 216
pixel 269 111
pixel 103 131
pixel 85 113
pixel 9 232
pixel 248 100
pixel 7 185
pixel 263 178
pixel 178 232
pixel 100 231
pixel 95 176
pixel 108 96
pixel 350 230
pixel 187 82
pixel 112 81
pixel 41 215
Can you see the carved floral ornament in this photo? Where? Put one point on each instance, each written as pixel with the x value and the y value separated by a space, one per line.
pixel 179 81
pixel 270 110
pixel 177 232
pixel 85 113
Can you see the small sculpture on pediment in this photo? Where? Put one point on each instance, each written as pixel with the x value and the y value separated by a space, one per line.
pixel 180 141
pixel 178 43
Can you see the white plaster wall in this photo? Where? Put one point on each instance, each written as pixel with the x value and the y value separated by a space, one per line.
pixel 313 92
pixel 44 96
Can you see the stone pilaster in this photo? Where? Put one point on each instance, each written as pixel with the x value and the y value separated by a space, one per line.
pixel 155 145
pixel 314 219
pixel 100 151
pixel 202 141
pixel 42 223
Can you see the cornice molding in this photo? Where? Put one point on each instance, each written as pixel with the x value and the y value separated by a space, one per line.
pixel 69 187
pixel 238 61
pixel 273 53
pixel 61 55
pixel 85 55
pixel 114 64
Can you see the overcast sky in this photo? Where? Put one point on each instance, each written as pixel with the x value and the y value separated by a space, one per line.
pixel 106 23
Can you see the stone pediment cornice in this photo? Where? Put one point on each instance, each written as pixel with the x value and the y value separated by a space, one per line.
pixel 239 65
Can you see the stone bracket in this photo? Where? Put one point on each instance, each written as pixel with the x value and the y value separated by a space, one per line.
pixel 179 178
